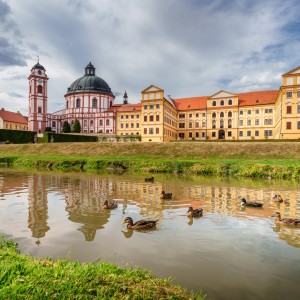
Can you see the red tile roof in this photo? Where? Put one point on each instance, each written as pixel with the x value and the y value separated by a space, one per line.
pixel 9 116
pixel 191 103
pixel 130 107
pixel 258 98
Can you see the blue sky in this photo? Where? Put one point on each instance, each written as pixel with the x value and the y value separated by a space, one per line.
pixel 187 47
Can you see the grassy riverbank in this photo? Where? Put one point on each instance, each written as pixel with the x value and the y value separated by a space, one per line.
pixel 25 277
pixel 245 159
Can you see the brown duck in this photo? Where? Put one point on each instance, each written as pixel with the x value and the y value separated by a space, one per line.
pixel 166 195
pixel 149 179
pixel 278 198
pixel 286 221
pixel 142 224
pixel 195 213
pixel 110 205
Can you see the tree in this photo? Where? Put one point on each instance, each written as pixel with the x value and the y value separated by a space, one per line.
pixel 76 126
pixel 66 127
pixel 48 129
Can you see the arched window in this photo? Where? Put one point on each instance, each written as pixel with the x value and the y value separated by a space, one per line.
pixel 94 103
pixel 214 103
pixel 214 114
pixel 222 103
pixel 107 122
pixel 221 115
pixel 53 124
pixel 221 124
pixel 230 114
pixel 40 89
pixel 229 102
pixel 78 102
pixel 92 122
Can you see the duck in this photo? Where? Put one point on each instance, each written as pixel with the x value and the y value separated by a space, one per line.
pixel 110 205
pixel 278 198
pixel 194 213
pixel 166 195
pixel 149 179
pixel 286 221
pixel 141 224
pixel 251 204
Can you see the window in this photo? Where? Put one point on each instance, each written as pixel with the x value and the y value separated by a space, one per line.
pixel 248 122
pixel 40 89
pixel 157 130
pixel 241 133
pixel 288 109
pixel 53 124
pixel 268 133
pixel 157 106
pixel 181 135
pixel 197 115
pixel 126 125
pixel 151 106
pixel 132 125
pixel 268 121
pixel 288 125
pixel 126 116
pixel 298 109
pixel 145 106
pixel 221 124
pixel 214 103
pixel 196 124
pixel 151 119
pixel 151 131
pixel 298 94
pixel 122 117
pixel 229 114
pixel 214 115
pixel 78 103
pixel 229 133
pixel 137 125
pixel 229 123
pixel 256 133
pixel 221 115
pixel 257 111
pixel 39 109
pixel 94 103
pixel 203 115
pixel 157 118
pixel 190 135
pixel 203 124
pixel 181 125
pixel 249 112
pixel 213 124
pixel 84 123
pixel 181 116
pixel 213 134
pixel 222 103
pixel 145 130
pixel 67 104
pixel 92 122
pixel 145 118
pixel 100 122
pixel 107 122
pixel 229 102
pixel 241 112
pixel 298 125
pixel 241 123
pixel 137 116
pixel 249 133
pixel 197 134
pixel 132 116
pixel 203 134
pixel 257 122
pixel 289 94
pixel 122 125
pixel 190 115
pixel 190 125
pixel 268 111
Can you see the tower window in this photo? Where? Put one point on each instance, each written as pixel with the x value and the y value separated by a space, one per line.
pixel 94 103
pixel 39 109
pixel 78 102
pixel 40 89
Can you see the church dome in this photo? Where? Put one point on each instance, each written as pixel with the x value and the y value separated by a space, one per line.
pixel 90 83
pixel 38 66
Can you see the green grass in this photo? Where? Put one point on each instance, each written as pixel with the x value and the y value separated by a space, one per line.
pixel 25 277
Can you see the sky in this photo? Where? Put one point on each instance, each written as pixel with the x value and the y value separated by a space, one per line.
pixel 186 47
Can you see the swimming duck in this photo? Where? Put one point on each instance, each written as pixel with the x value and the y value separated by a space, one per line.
pixel 150 179
pixel 141 224
pixel 110 205
pixel 165 195
pixel 251 204
pixel 286 221
pixel 194 213
pixel 278 198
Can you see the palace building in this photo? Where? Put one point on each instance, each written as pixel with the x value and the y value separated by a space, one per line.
pixel 271 114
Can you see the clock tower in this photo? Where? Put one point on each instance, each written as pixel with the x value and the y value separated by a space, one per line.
pixel 37 116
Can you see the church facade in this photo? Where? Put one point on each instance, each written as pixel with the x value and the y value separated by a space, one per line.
pixel 271 114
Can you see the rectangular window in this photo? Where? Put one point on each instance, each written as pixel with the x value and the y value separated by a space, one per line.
pixel 256 133
pixel 241 112
pixel 100 122
pixel 248 122
pixel 126 116
pixel 213 134
pixel 157 118
pixel 181 125
pixel 268 133
pixel 229 134
pixel 151 106
pixel 122 116
pixel 181 116
pixel 268 121
pixel 249 133
pixel 298 94
pixel 203 115
pixel 289 94
pixel 249 112
pixel 151 130
pixel 289 109
pixel 157 130
pixel 268 110
pixel 84 123
pixel 257 111
pixel 241 133
pixel 122 125
pixel 181 135
pixel 132 125
pixel 107 122
pixel 39 109
pixel 203 134
pixel 137 125
pixel 145 118
pixel 190 135
pixel 298 109
pixel 257 122
pixel 145 130
pixel 132 116
pixel 298 125
pixel 190 115
pixel 196 124
pixel 157 106
pixel 197 134
pixel 241 123
pixel 145 106
pixel 197 115
pixel 151 118
pixel 288 125
pixel 190 125
pixel 126 125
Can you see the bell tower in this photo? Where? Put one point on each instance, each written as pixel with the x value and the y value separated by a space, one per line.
pixel 37 116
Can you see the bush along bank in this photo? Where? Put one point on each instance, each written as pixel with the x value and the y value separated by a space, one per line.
pixel 221 168
pixel 25 277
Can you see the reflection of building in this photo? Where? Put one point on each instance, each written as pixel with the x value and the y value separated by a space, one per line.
pixel 37 205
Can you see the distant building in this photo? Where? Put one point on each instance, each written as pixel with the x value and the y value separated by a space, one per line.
pixel 12 120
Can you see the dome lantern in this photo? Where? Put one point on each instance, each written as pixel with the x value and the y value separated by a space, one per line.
pixel 90 70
